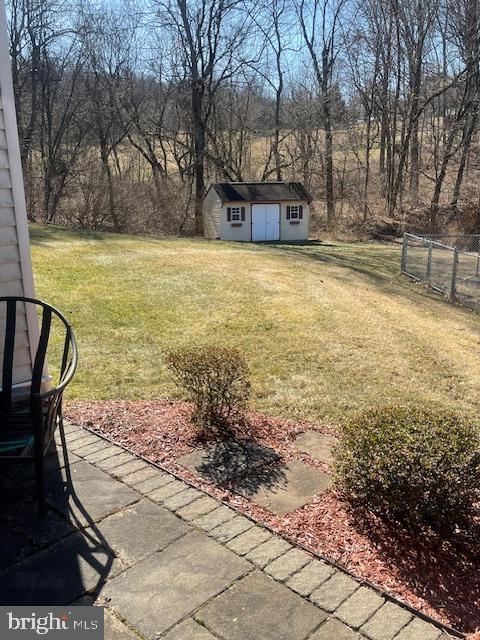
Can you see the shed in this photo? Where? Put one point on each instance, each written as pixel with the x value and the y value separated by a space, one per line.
pixel 257 211
pixel 15 265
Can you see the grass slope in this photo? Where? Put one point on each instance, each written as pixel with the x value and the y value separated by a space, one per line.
pixel 327 329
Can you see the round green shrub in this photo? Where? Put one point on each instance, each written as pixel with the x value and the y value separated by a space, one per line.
pixel 421 467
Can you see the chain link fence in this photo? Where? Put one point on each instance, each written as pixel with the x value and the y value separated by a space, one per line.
pixel 450 264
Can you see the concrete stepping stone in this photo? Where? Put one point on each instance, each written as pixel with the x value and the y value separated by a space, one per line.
pixel 257 608
pixel 318 445
pixel 295 485
pixel 225 462
pixel 160 591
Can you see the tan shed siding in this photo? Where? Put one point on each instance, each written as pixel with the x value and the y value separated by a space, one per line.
pixel 211 215
pixel 289 231
pixel 10 267
pixel 236 231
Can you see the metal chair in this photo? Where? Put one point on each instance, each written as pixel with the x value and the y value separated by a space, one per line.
pixel 30 412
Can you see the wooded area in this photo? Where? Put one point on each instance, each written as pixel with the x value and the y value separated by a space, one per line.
pixel 128 110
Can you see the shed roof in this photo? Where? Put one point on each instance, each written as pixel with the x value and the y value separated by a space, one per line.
pixel 261 191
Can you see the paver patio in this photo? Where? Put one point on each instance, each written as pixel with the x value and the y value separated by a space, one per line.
pixel 174 564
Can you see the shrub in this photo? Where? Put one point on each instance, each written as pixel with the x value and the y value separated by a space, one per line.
pixel 216 380
pixel 417 466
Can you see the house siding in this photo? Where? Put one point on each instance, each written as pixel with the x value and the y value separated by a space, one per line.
pixel 212 206
pixel 15 266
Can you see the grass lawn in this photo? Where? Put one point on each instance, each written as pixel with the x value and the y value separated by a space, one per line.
pixel 327 329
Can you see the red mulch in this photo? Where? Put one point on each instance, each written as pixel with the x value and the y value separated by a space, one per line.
pixel 439 577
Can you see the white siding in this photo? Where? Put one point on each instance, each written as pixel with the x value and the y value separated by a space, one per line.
pixel 294 230
pixel 236 231
pixel 15 266
pixel 211 215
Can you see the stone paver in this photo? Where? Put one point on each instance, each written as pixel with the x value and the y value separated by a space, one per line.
pixel 318 445
pixel 79 443
pixel 140 475
pixel 258 608
pixel 297 486
pixel 59 574
pixel 268 551
pixel 189 630
pixel 419 629
pixel 310 577
pixel 140 530
pixel 116 630
pixel 334 591
pixel 96 494
pixel 181 499
pixel 228 462
pixel 155 482
pixel 129 467
pixel 167 491
pixel 53 463
pixel 359 607
pixel 104 454
pixel 39 531
pixel 93 447
pixel 387 622
pixel 289 563
pixel 14 545
pixel 334 630
pixel 247 541
pixel 198 508
pixel 231 528
pixel 215 518
pixel 178 579
pixel 73 436
pixel 115 461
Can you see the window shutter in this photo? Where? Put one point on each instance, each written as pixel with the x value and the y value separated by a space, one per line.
pixel 229 214
pixel 300 212
pixel 243 214
pixel 288 212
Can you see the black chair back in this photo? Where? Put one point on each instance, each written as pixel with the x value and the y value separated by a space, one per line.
pixel 14 307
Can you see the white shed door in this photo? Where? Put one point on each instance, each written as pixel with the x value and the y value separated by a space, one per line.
pixel 265 222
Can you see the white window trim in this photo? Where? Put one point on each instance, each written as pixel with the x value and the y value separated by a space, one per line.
pixel 236 214
pixel 294 212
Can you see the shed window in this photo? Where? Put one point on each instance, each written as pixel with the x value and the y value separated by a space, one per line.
pixel 235 214
pixel 294 212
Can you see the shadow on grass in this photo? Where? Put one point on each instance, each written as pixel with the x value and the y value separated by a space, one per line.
pixel 443 571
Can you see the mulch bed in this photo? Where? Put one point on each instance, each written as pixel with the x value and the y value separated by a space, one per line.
pixel 439 577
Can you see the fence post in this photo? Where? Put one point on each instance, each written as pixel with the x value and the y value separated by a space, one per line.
pixel 429 262
pixel 403 262
pixel 454 275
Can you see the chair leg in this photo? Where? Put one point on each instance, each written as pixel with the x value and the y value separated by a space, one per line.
pixel 40 485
